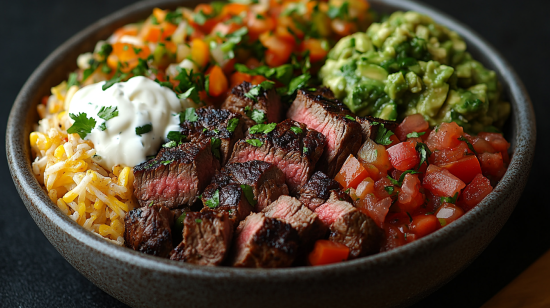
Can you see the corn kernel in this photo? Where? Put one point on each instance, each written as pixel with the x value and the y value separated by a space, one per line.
pixel 33 138
pixel 59 152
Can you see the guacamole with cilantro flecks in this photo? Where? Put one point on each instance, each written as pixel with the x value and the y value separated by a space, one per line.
pixel 409 64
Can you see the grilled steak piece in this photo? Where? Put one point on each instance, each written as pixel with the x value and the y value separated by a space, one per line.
pixel 268 102
pixel 220 124
pixel 319 110
pixel 206 238
pixel 291 146
pixel 147 230
pixel 264 242
pixel 350 227
pixel 317 190
pixel 369 130
pixel 303 220
pixel 230 199
pixel 177 176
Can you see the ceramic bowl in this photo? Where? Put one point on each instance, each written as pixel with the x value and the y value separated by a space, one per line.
pixel 395 278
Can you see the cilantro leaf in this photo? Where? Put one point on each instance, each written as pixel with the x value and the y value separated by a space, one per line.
pixel 249 194
pixel 450 199
pixel 198 220
pixel 89 71
pixel 262 128
pixel 232 125
pixel 383 136
pixel 82 125
pixel 73 80
pixel 470 146
pixel 215 144
pixel 167 84
pixel 255 91
pixel 282 73
pixel 340 12
pixel 296 130
pixel 167 162
pixel 188 115
pixel 389 189
pixel 179 223
pixel 410 217
pixel 350 117
pixel 107 113
pixel 424 152
pixel 112 81
pixel 415 134
pixel 214 201
pixel 176 136
pixel 174 17
pixel 170 144
pixel 305 150
pixel 102 126
pixel 399 182
pixel 105 50
pixel 255 142
pixel 140 130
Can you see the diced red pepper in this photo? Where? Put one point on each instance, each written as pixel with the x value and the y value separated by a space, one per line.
pixel 328 252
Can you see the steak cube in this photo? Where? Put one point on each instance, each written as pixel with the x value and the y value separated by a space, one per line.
pixel 177 176
pixel 268 103
pixel 291 146
pixel 206 238
pixel 369 126
pixel 231 199
pixel 350 227
pixel 147 230
pixel 317 190
pixel 264 242
pixel 320 111
pixel 303 220
pixel 220 124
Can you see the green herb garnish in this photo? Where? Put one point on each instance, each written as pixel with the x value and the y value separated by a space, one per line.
pixel 262 128
pixel 82 125
pixel 296 130
pixel 450 199
pixel 176 136
pixel 255 142
pixel 256 90
pixel 383 135
pixel 415 134
pixel 350 117
pixel 140 130
pixel 470 146
pixel 214 201
pixel 215 144
pixel 188 115
pixel 249 194
pixel 424 152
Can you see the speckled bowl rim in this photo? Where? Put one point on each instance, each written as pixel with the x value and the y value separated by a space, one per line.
pixel 522 115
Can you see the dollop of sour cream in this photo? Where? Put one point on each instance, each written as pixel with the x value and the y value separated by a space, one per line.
pixel 140 102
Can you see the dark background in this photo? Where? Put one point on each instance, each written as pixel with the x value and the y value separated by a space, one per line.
pixel 33 273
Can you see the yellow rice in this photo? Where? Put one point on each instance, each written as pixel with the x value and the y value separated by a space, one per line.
pixel 97 199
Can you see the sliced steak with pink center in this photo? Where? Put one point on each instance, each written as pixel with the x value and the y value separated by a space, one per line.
pixel 290 210
pixel 350 227
pixel 177 176
pixel 264 242
pixel 230 199
pixel 291 146
pixel 317 190
pixel 147 230
pixel 370 126
pixel 206 238
pixel 320 111
pixel 220 124
pixel 268 103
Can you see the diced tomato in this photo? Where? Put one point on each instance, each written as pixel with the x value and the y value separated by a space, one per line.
pixel 218 82
pixel 410 198
pixel 287 29
pixel 412 123
pixel 237 78
pixel 328 252
pixel 224 28
pixel 472 195
pixel 496 140
pixel 423 225
pixel 157 33
pixel 465 169
pixel 380 189
pixel 316 47
pixel 375 208
pixel 364 188
pixel 278 50
pixel 125 56
pixel 445 136
pixel 403 156
pixel 441 182
pixel 394 141
pixel 445 156
pixel 375 154
pixel 492 165
pixel 480 145
pixel 448 213
pixel 374 173
pixel 258 26
pixel 233 9
pixel 351 174
pixel 393 238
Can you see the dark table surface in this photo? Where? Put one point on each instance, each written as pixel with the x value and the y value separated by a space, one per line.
pixel 34 274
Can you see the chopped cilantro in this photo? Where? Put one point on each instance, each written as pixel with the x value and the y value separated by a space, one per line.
pixel 151 204
pixel 383 135
pixel 190 84
pixel 389 189
pixel 103 126
pixel 215 144
pixel 415 134
pixel 249 194
pixel 125 48
pixel 258 116
pixel 232 40
pixel 450 199
pixel 255 142
pixel 174 17
pixel 402 177
pixel 255 91
pixel 442 222
pixel 232 124
pixel 73 80
pixel 167 162
pixel 350 117
pixel 207 85
pixel 105 50
pixel 410 217
pixel 179 222
pixel 175 136
pixel 140 130
pixel 282 73
pixel 262 128
pixel 89 71
pixel 470 146
pixel 296 130
pixel 341 12
pixel 198 220
pixel 142 67
pixel 167 84
pixel 204 130
pixel 82 125
pixel 424 153
pixel 170 144
pixel 347 191
pixel 189 115
pixel 305 150
pixel 107 113
pixel 214 201
pixel 112 81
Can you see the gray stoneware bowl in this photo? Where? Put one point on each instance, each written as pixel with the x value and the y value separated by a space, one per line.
pixel 382 280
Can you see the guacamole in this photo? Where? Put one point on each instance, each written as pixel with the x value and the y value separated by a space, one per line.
pixel 409 64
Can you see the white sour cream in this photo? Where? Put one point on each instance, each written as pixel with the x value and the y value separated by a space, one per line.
pixel 139 101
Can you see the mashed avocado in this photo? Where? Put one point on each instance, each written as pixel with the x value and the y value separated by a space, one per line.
pixel 409 64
